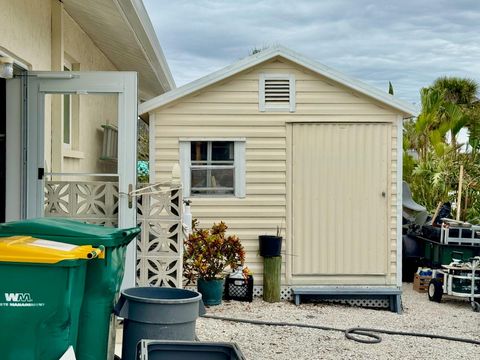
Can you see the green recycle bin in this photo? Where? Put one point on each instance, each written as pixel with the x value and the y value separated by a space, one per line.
pixel 103 280
pixel 41 291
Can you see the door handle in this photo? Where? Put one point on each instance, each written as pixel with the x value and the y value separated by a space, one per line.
pixel 130 197
pixel 384 194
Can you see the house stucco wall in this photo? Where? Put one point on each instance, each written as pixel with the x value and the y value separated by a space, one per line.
pixel 26 34
pixel 94 110
pixel 40 34
pixel 25 31
pixel 229 109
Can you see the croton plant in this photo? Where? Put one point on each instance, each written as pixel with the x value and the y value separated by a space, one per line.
pixel 208 252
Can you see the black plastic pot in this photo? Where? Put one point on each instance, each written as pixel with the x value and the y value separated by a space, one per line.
pixel 270 245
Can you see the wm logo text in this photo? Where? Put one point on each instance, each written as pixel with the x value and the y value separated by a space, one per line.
pixel 18 297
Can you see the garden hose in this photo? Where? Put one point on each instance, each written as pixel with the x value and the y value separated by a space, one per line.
pixel 359 334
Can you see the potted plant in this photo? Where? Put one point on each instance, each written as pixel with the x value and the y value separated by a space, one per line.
pixel 208 252
pixel 270 245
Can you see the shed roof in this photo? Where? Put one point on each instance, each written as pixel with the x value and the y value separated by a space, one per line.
pixel 123 32
pixel 265 55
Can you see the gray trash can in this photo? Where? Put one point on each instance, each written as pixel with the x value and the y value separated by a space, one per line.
pixel 157 313
pixel 188 350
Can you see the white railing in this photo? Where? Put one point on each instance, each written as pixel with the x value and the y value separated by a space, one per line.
pixel 459 235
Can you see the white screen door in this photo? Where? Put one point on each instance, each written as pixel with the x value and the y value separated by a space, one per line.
pixel 83 98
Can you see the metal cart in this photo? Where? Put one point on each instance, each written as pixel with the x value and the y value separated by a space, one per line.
pixel 459 279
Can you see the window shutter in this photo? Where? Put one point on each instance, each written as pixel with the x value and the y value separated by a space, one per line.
pixel 240 169
pixel 185 166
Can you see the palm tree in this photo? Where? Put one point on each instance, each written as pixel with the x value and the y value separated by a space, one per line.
pixel 460 91
pixel 448 105
pixel 429 129
pixel 459 109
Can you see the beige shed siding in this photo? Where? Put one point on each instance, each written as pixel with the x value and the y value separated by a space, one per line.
pixel 230 110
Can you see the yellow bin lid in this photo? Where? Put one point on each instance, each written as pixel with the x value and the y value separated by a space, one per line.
pixel 27 249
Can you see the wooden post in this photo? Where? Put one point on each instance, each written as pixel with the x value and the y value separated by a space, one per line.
pixel 272 267
pixel 459 197
pixel 436 212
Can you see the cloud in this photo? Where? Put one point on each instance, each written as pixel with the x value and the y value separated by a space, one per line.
pixel 409 43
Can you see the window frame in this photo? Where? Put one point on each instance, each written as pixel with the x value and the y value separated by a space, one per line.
pixel 67 66
pixel 266 107
pixel 238 164
pixel 71 149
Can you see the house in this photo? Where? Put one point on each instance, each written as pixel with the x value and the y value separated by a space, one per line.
pixel 80 68
pixel 277 139
pixel 70 36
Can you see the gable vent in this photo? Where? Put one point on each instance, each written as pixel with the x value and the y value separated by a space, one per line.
pixel 276 92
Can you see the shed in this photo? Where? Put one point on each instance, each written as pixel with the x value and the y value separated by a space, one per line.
pixel 277 139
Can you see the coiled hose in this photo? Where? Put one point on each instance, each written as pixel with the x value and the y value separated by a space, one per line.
pixel 359 334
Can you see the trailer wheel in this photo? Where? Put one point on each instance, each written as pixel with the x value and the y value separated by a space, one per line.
pixel 435 290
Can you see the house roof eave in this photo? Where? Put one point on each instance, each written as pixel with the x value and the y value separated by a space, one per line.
pixel 122 30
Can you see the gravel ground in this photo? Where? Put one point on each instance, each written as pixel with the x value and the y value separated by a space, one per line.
pixel 451 317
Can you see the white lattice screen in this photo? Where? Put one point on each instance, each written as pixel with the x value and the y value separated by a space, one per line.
pixel 95 202
pixel 160 246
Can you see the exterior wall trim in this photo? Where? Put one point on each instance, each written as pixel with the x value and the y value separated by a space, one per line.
pixel 16 60
pixel 151 147
pixel 399 197
pixel 136 16
pixel 289 211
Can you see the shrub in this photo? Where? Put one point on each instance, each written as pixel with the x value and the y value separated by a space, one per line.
pixel 208 252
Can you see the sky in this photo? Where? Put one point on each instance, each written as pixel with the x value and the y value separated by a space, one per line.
pixel 409 43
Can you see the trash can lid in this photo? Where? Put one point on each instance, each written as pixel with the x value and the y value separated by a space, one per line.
pixel 70 231
pixel 26 249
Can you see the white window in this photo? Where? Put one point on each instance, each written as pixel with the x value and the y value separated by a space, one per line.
pixel 276 92
pixel 213 167
pixel 71 115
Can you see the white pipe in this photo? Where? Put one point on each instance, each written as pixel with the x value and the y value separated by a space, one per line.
pixel 187 218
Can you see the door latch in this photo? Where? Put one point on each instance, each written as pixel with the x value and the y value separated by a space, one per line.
pixel 130 197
